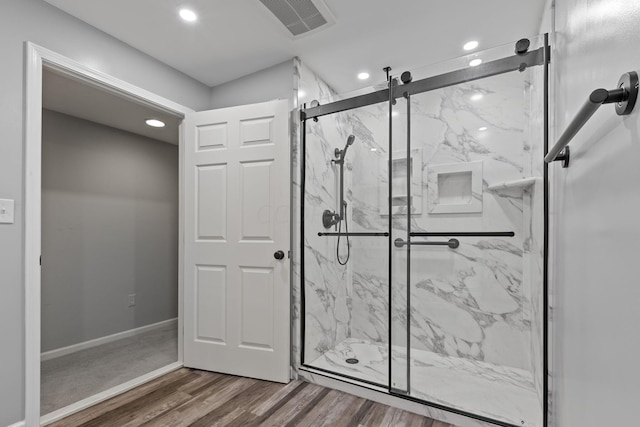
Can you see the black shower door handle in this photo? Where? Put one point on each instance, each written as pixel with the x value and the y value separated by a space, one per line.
pixel 452 243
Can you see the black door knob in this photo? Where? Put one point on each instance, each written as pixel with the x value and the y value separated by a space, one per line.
pixel 278 254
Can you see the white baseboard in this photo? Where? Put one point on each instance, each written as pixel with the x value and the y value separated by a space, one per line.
pixel 61 413
pixel 18 424
pixel 52 354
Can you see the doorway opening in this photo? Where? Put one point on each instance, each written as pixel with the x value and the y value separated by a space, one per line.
pixel 109 274
pixel 97 191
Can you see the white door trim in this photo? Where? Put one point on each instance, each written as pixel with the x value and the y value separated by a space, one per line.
pixel 37 57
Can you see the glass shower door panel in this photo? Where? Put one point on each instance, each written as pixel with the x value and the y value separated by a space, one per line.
pixel 475 247
pixel 402 174
pixel 346 259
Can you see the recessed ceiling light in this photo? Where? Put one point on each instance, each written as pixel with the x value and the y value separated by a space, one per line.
pixel 363 76
pixel 475 62
pixel 470 45
pixel 482 129
pixel 476 97
pixel 374 149
pixel 154 123
pixel 188 15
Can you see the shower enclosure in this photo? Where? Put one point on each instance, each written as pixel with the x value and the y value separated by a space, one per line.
pixel 441 200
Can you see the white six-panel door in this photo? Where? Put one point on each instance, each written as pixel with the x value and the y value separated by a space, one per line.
pixel 236 293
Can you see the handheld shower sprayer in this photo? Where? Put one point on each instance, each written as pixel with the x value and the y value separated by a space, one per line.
pixel 340 154
pixel 350 140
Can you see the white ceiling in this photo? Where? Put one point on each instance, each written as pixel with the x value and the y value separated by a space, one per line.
pixel 233 38
pixel 72 97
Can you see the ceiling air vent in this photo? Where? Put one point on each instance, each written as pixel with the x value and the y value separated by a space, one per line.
pixel 300 16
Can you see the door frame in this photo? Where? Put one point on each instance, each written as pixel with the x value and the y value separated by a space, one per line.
pixel 38 58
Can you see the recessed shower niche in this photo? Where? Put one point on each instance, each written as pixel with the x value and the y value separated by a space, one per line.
pixel 454 188
pixel 401 171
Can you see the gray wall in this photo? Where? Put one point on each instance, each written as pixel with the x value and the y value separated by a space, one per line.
pixel 109 229
pixel 595 232
pixel 265 85
pixel 36 21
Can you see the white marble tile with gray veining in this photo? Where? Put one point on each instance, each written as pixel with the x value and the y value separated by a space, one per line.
pixel 498 392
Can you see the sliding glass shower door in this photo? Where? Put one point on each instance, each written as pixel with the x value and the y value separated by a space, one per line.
pixel 471 178
pixel 423 236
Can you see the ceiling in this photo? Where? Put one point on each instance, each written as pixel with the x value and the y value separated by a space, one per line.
pixel 74 98
pixel 233 38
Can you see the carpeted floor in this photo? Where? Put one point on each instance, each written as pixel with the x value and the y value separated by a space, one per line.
pixel 68 379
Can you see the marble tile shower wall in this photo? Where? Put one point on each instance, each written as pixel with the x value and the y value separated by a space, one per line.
pixel 295 220
pixel 476 301
pixel 327 284
pixel 534 247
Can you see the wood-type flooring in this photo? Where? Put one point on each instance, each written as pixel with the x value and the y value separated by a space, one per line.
pixel 188 397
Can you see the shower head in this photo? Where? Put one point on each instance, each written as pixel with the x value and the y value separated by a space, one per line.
pixel 340 154
pixel 350 140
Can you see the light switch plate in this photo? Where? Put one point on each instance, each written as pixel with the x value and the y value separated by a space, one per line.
pixel 6 211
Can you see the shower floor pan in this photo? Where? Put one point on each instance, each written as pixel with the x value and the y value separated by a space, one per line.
pixel 498 392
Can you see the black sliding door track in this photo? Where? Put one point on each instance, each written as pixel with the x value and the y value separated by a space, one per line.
pixel 493 68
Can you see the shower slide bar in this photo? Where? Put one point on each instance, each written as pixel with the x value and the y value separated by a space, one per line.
pixel 356 234
pixel 624 96
pixel 452 243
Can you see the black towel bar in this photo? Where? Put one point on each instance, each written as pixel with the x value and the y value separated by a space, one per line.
pixel 624 96
pixel 462 233
pixel 356 234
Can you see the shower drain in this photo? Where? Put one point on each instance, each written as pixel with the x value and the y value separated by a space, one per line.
pixel 352 361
